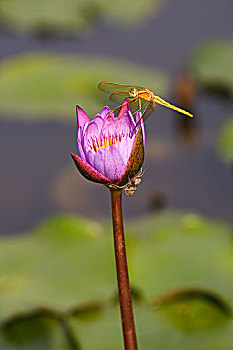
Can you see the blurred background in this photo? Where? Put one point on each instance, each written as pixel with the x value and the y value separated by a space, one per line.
pixel 53 57
pixel 53 54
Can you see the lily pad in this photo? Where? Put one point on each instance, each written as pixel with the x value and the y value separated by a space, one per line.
pixel 70 16
pixel 47 16
pixel 131 13
pixel 213 66
pixel 153 332
pixel 177 250
pixel 66 265
pixel 194 309
pixel 64 262
pixel 47 86
pixel 225 142
pixel 39 329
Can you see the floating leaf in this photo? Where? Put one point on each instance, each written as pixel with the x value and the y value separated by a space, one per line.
pixel 66 261
pixel 67 264
pixel 47 16
pixel 38 86
pixel 134 11
pixel 213 66
pixel 105 330
pixel 153 332
pixel 38 329
pixel 69 16
pixel 225 143
pixel 182 250
pixel 194 309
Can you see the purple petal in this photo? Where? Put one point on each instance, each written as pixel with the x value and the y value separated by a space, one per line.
pixel 91 134
pixel 113 163
pixel 124 108
pixel 109 128
pixel 92 130
pixel 125 147
pixel 82 117
pixel 80 143
pixel 97 160
pixel 105 112
pixel 88 171
pixel 125 124
pixel 90 158
pixel 99 122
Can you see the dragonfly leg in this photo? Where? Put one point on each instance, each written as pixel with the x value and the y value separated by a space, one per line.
pixel 139 104
pixel 138 100
pixel 114 109
pixel 147 111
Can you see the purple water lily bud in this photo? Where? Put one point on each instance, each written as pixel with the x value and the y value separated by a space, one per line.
pixel 111 150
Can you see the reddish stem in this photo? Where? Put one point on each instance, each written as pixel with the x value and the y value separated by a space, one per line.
pixel 122 272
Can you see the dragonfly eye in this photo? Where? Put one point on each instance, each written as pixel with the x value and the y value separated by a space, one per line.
pixel 133 92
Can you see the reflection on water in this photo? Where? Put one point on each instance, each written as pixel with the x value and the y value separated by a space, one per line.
pixel 181 160
pixel 185 92
pixel 156 201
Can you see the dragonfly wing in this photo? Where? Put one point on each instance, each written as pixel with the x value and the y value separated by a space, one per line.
pixel 144 104
pixel 148 110
pixel 112 87
pixel 133 103
pixel 118 97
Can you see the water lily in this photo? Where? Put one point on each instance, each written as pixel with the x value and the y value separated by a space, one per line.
pixel 111 149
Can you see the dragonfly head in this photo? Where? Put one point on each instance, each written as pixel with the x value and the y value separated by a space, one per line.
pixel 133 92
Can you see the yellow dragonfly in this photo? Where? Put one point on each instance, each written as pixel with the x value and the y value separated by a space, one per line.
pixel 138 97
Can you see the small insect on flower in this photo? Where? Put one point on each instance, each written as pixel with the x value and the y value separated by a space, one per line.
pixel 132 185
pixel 138 97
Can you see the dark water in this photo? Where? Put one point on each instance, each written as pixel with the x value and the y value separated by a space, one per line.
pixel 34 157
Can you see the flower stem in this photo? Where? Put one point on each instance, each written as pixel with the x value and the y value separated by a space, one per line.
pixel 122 272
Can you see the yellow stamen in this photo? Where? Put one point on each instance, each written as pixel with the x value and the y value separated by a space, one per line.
pixel 103 143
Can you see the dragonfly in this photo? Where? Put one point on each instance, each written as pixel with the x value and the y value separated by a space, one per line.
pixel 138 97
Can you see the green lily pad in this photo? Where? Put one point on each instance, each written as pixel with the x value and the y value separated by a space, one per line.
pixel 177 250
pixel 39 329
pixel 153 332
pixel 64 262
pixel 71 16
pixel 213 66
pixel 66 265
pixel 225 142
pixel 47 16
pixel 105 330
pixel 40 86
pixel 194 309
pixel 131 13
